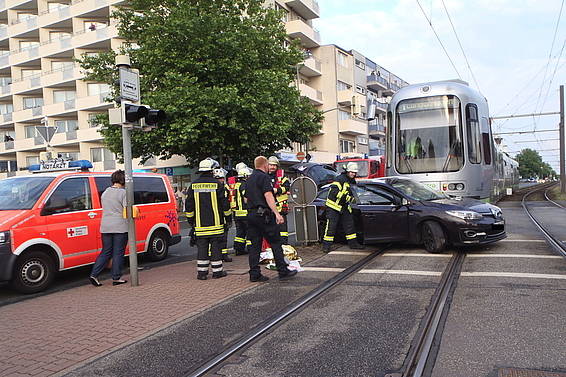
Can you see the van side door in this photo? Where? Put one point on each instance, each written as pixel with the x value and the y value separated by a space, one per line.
pixel 72 222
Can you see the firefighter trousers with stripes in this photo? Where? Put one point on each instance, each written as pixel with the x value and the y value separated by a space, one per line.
pixel 241 239
pixel 284 231
pixel 333 218
pixel 204 244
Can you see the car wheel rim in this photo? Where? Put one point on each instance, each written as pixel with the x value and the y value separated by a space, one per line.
pixel 158 246
pixel 428 239
pixel 33 272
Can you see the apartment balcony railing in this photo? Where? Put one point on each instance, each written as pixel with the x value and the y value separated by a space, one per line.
pixel 309 36
pixel 307 9
pixel 311 67
pixel 376 128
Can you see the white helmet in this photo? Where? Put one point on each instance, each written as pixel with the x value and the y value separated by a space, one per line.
pixel 206 165
pixel 273 160
pixel 240 166
pixel 215 164
pixel 244 172
pixel 219 173
pixel 352 167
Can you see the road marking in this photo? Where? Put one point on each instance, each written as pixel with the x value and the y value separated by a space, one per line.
pixel 349 252
pixel 417 255
pixel 373 271
pixel 513 256
pixel 512 240
pixel 513 275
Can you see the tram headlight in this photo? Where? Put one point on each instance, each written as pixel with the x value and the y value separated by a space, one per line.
pixel 451 187
pixel 460 186
pixel 465 215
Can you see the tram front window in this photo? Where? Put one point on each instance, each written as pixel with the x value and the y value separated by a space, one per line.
pixel 429 135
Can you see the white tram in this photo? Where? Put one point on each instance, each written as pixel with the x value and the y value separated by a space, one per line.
pixel 439 133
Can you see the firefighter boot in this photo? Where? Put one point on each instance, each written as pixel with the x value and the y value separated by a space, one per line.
pixel 219 274
pixel 326 247
pixel 202 275
pixel 226 257
pixel 355 245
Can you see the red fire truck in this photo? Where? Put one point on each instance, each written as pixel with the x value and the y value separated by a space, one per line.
pixel 369 167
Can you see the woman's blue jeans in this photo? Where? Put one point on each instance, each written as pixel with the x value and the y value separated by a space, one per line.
pixel 113 247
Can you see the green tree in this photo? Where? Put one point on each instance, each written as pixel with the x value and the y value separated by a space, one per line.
pixel 220 70
pixel 531 165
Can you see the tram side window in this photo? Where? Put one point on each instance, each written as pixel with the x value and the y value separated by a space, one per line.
pixel 389 143
pixel 486 141
pixel 473 130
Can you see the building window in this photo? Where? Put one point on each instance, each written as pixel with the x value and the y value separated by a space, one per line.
pixel 66 125
pixel 26 45
pixel 56 6
pixel 30 132
pixel 98 89
pixel 62 66
pixel 4 52
pixel 92 120
pixel 342 59
pixel 6 108
pixel 101 154
pixel 54 35
pixel 360 89
pixel 31 102
pixel 341 85
pixel 360 64
pixel 32 160
pixel 73 156
pixel 22 16
pixel 346 146
pixel 343 115
pixel 30 73
pixel 64 95
pixel 94 25
pixel 5 81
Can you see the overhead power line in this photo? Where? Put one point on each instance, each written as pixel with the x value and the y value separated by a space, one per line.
pixel 525 115
pixel 540 150
pixel 535 141
pixel 523 132
pixel 439 41
pixel 461 47
pixel 553 75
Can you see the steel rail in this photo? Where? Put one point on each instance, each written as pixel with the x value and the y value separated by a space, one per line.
pixel 418 357
pixel 552 201
pixel 553 241
pixel 254 334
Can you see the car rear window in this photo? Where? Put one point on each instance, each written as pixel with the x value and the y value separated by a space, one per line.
pixel 146 189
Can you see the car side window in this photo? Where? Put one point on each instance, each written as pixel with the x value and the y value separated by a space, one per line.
pixel 102 183
pixel 373 196
pixel 71 195
pixel 150 190
pixel 323 193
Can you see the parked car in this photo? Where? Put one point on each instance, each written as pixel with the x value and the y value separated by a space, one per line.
pixel 319 173
pixel 50 222
pixel 399 209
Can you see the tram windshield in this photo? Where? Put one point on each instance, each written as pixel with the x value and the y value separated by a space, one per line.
pixel 429 135
pixel 363 167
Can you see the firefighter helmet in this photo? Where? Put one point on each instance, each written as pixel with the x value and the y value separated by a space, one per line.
pixel 240 166
pixel 219 173
pixel 273 160
pixel 352 167
pixel 206 165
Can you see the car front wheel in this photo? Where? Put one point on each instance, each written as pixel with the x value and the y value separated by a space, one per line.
pixel 432 236
pixel 34 271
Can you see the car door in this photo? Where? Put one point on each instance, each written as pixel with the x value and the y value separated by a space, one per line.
pixel 380 216
pixel 72 222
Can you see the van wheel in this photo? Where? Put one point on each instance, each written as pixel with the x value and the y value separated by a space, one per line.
pixel 158 246
pixel 433 237
pixel 33 272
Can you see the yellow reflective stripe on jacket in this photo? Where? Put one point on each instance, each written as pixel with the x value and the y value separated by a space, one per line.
pixel 227 213
pixel 241 212
pixel 190 214
pixel 197 208
pixel 331 204
pixel 200 233
pixel 214 199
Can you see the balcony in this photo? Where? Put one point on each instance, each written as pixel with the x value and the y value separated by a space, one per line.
pixel 315 96
pixel 376 129
pixel 379 106
pixel 353 127
pixel 307 9
pixel 376 82
pixel 299 29
pixel 345 97
pixel 311 67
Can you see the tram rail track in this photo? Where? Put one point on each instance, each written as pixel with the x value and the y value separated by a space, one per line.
pixel 552 240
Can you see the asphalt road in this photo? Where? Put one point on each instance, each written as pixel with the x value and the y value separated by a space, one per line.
pixel 181 252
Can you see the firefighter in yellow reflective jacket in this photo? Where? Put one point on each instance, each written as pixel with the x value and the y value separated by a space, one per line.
pixel 220 174
pixel 339 210
pixel 281 187
pixel 240 211
pixel 208 212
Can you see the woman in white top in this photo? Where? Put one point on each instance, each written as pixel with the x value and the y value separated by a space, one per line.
pixel 114 230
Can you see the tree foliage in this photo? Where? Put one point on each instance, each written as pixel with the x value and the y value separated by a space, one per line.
pixel 531 165
pixel 220 71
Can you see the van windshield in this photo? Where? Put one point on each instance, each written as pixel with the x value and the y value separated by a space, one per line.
pixel 22 192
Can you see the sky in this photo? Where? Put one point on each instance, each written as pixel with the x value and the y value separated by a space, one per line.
pixel 513 52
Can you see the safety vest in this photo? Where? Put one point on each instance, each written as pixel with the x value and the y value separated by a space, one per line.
pixel 238 205
pixel 282 185
pixel 339 195
pixel 206 206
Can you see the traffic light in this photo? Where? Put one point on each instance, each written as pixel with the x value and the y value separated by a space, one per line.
pixel 141 116
pixel 154 117
pixel 135 112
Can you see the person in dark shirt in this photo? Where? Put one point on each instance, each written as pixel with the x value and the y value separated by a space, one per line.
pixel 263 221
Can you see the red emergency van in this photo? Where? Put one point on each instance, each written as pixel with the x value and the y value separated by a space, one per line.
pixel 50 222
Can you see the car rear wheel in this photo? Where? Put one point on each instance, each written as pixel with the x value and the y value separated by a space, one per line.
pixel 158 247
pixel 33 272
pixel 432 236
